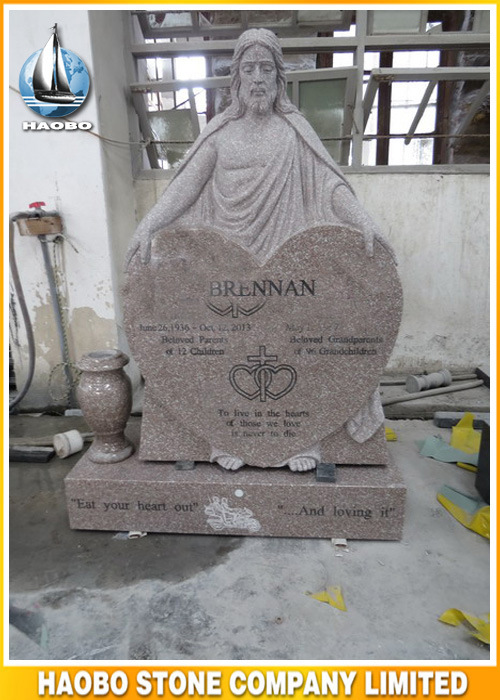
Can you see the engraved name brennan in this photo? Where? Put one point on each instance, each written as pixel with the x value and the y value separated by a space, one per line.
pixel 265 288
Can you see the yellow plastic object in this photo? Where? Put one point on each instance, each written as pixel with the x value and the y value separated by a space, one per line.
pixel 479 627
pixel 480 523
pixel 469 467
pixel 390 435
pixel 469 512
pixel 332 595
pixel 464 437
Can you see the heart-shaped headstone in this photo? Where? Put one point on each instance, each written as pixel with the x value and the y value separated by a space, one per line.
pixel 262 361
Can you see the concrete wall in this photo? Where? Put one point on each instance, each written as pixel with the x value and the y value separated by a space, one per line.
pixel 109 37
pixel 439 228
pixel 87 180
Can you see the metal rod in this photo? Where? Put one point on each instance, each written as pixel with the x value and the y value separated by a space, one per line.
pixel 145 127
pixel 432 392
pixel 225 81
pixel 397 382
pixel 396 42
pixel 408 75
pixel 384 112
pixel 194 115
pixel 359 57
pixel 420 111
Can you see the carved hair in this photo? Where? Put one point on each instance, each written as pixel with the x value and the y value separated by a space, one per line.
pixel 265 38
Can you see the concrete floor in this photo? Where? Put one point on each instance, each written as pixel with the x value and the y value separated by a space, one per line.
pixel 98 596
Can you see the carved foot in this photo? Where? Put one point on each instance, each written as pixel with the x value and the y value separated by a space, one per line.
pixel 231 463
pixel 302 464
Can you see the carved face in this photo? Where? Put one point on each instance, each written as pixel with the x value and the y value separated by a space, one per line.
pixel 258 79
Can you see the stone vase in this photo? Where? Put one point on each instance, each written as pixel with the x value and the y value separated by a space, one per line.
pixel 105 397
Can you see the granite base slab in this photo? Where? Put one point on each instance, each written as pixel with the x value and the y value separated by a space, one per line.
pixel 365 503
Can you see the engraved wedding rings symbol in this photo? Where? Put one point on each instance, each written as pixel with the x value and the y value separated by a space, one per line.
pixel 270 381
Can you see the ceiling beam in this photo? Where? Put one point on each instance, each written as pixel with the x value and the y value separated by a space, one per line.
pixel 410 42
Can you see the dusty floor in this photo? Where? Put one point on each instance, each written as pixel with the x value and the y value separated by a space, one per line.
pixel 93 595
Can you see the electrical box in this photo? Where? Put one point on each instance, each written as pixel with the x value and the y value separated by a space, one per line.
pixel 40 225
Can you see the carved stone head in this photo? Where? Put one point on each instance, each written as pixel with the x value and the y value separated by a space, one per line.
pixel 250 39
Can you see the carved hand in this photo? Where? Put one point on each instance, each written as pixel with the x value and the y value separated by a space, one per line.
pixel 350 212
pixel 369 239
pixel 385 243
pixel 141 242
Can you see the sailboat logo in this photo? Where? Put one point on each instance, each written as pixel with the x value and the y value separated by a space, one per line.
pixel 54 82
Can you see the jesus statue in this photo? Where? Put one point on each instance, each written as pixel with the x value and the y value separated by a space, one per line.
pixel 259 174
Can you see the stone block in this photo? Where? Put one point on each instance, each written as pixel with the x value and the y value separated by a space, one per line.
pixel 364 503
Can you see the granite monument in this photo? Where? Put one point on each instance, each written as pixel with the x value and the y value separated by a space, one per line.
pixel 259 209
pixel 261 304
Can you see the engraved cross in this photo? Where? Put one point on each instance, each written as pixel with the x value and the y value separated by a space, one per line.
pixel 262 358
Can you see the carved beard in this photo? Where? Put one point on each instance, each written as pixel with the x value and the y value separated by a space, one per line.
pixel 261 104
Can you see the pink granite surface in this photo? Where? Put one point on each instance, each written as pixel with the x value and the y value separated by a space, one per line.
pixel 261 376
pixel 168 439
pixel 364 503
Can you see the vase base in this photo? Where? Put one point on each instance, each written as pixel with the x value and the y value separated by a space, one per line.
pixel 109 454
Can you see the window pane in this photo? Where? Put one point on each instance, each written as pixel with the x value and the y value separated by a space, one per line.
pixel 418 152
pixel 322 103
pixel 175 128
pixel 395 21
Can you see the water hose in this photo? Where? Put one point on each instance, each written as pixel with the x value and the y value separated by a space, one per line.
pixel 24 311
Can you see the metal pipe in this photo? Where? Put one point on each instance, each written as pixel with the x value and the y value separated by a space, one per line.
pixel 58 318
pixel 432 392
pixel 455 378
